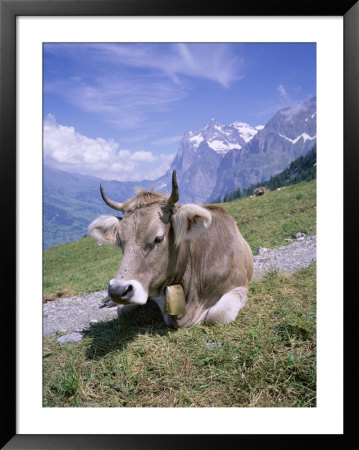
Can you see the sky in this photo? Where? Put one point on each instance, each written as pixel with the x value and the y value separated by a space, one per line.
pixel 118 111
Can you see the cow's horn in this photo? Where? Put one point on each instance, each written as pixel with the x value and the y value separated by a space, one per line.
pixel 174 194
pixel 110 203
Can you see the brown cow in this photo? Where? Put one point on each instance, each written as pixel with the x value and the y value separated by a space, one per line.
pixel 165 243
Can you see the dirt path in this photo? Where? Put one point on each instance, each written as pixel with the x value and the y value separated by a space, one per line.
pixel 288 258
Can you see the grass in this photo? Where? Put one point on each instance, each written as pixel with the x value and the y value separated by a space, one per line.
pixel 78 267
pixel 265 358
pixel 266 221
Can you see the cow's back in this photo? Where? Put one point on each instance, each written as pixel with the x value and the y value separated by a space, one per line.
pixel 220 259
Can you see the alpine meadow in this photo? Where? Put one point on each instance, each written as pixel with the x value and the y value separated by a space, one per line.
pixel 265 358
pixel 181 139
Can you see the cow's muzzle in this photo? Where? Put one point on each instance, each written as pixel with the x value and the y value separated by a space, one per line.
pixel 129 292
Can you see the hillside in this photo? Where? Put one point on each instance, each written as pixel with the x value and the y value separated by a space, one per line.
pixel 266 221
pixel 299 171
pixel 72 201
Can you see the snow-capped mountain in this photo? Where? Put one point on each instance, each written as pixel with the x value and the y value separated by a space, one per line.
pixel 246 132
pixel 222 138
pixel 217 159
pixel 199 156
pixel 289 134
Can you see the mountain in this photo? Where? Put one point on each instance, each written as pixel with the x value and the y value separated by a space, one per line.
pixel 211 162
pixel 72 201
pixel 299 171
pixel 200 155
pixel 289 134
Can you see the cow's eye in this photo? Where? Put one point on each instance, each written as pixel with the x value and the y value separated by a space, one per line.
pixel 158 240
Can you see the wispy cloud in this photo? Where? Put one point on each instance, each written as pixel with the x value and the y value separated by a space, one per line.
pixel 127 97
pixel 293 110
pixel 122 101
pixel 167 140
pixel 216 62
pixel 282 92
pixel 66 149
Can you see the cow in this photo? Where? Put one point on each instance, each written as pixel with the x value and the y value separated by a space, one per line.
pixel 198 247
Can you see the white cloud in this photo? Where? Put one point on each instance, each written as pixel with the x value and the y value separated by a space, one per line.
pixel 143 156
pixel 282 92
pixel 68 150
pixel 293 110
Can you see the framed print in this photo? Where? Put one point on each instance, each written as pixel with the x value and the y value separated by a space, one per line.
pixel 59 111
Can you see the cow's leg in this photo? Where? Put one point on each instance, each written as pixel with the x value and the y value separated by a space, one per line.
pixel 160 302
pixel 228 306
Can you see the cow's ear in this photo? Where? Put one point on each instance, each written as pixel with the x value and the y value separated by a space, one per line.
pixel 190 221
pixel 105 229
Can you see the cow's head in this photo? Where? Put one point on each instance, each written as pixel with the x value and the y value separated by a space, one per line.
pixel 152 234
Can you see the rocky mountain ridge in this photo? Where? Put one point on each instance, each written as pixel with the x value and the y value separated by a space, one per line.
pixel 217 159
pixel 291 133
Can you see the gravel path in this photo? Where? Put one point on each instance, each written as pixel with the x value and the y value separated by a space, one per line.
pixel 288 258
pixel 75 314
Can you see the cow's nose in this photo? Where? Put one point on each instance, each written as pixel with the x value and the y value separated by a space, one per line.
pixel 119 289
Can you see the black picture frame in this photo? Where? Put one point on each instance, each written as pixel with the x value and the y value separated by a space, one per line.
pixel 9 10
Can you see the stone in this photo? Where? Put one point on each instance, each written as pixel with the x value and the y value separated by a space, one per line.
pixel 261 191
pixel 68 338
pixel 261 250
pixel 299 236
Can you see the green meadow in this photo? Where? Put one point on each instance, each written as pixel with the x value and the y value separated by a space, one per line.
pixel 265 358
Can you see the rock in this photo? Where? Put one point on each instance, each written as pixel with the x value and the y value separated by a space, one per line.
pixel 299 236
pixel 67 338
pixel 261 250
pixel 260 191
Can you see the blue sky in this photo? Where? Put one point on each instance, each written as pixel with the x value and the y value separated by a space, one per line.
pixel 118 111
